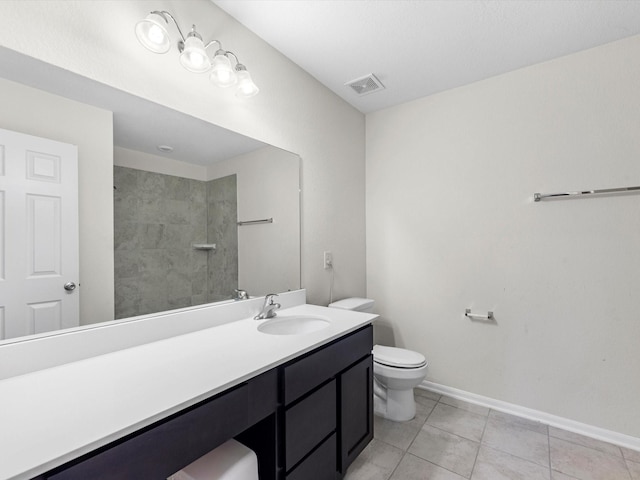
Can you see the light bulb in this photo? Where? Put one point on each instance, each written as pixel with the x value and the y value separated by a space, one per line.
pixel 194 57
pixel 155 34
pixel 222 74
pixel 246 87
pixel 152 34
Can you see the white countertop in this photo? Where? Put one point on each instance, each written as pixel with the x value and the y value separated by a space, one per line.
pixel 51 416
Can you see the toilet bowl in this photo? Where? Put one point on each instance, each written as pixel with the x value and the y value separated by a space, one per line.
pixel 396 372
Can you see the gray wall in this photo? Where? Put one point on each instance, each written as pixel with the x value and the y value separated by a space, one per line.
pixel 222 229
pixel 157 219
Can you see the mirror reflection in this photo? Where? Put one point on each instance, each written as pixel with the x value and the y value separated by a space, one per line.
pixel 183 217
pixel 181 241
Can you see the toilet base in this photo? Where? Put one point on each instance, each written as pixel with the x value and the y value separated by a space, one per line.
pixel 399 405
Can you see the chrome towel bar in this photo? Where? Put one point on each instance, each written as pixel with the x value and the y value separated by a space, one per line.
pixel 204 246
pixel 540 196
pixel 255 222
pixel 478 316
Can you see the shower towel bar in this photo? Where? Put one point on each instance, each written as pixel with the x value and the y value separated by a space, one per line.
pixel 255 222
pixel 540 196
pixel 204 246
pixel 478 316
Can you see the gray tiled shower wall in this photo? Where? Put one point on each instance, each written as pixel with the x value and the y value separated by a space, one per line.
pixel 157 219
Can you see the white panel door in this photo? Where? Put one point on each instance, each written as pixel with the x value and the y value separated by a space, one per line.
pixel 38 235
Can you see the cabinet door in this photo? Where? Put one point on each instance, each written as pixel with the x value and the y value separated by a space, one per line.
pixel 356 407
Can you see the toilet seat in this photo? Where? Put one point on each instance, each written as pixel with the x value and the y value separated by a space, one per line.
pixel 398 357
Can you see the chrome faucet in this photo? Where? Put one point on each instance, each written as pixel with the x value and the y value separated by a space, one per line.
pixel 240 294
pixel 269 307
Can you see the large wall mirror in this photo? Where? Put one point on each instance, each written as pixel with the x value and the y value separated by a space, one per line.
pixel 198 211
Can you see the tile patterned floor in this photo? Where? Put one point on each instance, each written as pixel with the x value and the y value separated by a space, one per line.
pixel 454 440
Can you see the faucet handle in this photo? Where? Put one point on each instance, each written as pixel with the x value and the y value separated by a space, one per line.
pixel 240 294
pixel 269 307
pixel 268 298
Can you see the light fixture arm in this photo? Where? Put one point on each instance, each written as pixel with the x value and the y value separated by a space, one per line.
pixel 236 58
pixel 213 41
pixel 226 53
pixel 164 14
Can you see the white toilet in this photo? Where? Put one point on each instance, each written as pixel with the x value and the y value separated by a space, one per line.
pixel 396 372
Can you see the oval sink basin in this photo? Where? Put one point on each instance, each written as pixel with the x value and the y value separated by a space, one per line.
pixel 293 325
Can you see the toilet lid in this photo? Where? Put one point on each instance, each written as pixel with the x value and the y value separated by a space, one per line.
pixel 398 357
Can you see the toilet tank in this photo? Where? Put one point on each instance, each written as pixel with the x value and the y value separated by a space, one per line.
pixel 354 303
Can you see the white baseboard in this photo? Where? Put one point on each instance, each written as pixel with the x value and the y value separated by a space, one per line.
pixel 598 433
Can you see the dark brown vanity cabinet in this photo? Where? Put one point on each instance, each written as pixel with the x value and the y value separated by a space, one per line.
pixel 163 448
pixel 328 411
pixel 306 420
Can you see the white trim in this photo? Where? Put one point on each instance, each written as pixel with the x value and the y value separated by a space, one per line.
pixel 598 433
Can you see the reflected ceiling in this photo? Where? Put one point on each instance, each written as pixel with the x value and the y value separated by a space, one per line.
pixel 132 115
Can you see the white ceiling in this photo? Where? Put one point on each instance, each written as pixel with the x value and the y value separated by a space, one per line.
pixel 419 47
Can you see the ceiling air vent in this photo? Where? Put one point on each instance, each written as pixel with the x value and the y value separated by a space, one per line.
pixel 365 85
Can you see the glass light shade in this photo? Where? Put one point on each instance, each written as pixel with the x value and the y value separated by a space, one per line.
pixel 152 33
pixel 222 74
pixel 246 87
pixel 194 57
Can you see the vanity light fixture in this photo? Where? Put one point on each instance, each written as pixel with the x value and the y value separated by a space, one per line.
pixel 153 35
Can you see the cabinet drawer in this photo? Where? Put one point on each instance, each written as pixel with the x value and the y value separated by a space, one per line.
pixel 308 422
pixel 320 465
pixel 164 448
pixel 326 362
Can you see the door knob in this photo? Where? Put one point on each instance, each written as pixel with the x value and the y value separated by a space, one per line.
pixel 69 286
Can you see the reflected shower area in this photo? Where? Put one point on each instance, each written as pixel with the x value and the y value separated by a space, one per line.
pixel 176 241
pixel 181 241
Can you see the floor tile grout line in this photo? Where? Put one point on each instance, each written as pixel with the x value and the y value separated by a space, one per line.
pixel 404 454
pixel 522 426
pixel 475 460
pixel 454 434
pixel 416 435
pixel 467 409
pixel 389 444
pixel 506 422
pixel 449 433
pixel 482 442
pixel 626 464
pixel 549 448
pixel 590 448
pixel 625 456
pixel 436 465
pixel 406 451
